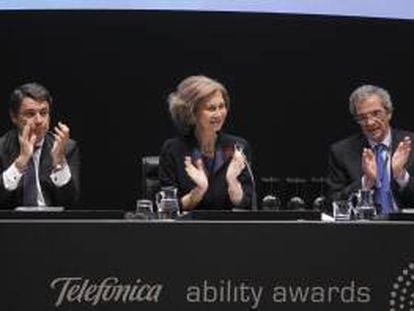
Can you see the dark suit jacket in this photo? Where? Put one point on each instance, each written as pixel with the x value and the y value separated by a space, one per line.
pixel 345 171
pixel 172 172
pixel 65 196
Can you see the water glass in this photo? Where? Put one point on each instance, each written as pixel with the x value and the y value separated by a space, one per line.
pixel 144 209
pixel 341 210
pixel 364 208
pixel 365 212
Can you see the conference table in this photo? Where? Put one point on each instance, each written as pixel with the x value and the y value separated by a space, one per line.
pixel 107 262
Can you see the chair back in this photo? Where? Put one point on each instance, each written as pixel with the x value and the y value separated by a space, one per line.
pixel 150 183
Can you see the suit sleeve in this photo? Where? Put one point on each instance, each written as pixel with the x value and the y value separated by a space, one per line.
pixel 5 195
pixel 405 196
pixel 68 195
pixel 8 153
pixel 339 182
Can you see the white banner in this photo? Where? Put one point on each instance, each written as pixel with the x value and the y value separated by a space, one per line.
pixel 400 9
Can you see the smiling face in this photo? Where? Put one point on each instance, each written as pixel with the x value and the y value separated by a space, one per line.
pixel 373 118
pixel 35 114
pixel 211 114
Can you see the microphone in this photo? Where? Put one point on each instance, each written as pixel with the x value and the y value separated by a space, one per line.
pixel 321 202
pixel 296 202
pixel 270 202
pixel 239 147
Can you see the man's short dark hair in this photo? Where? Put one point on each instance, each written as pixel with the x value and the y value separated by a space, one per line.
pixel 32 90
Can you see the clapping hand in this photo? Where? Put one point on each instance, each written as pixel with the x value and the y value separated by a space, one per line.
pixel 400 157
pixel 196 173
pixel 61 134
pixel 369 167
pixel 236 166
pixel 27 140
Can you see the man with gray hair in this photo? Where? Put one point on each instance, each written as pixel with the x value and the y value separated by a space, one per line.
pixel 379 158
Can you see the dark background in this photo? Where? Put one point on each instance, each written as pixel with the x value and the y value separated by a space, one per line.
pixel 289 79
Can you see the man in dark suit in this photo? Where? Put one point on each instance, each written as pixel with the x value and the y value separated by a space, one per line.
pixel 379 158
pixel 38 167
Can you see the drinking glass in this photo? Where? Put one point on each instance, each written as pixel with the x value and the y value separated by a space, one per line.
pixel 144 209
pixel 341 210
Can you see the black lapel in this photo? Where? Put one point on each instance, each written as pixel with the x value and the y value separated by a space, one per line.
pixel 363 141
pixel 12 146
pixel 224 151
pixel 45 164
pixel 396 137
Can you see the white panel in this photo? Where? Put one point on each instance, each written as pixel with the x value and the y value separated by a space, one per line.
pixel 403 9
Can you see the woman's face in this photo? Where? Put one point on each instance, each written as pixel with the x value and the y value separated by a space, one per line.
pixel 211 114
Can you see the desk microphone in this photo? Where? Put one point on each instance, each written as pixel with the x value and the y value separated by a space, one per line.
pixel 239 147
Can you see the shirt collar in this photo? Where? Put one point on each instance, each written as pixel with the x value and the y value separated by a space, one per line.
pixel 38 149
pixel 386 141
pixel 39 145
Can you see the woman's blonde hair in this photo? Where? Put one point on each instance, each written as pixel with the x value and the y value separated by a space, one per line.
pixel 189 95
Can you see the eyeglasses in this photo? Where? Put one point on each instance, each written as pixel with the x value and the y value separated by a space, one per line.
pixel 373 115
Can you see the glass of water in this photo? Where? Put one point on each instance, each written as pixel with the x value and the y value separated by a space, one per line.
pixel 341 210
pixel 144 209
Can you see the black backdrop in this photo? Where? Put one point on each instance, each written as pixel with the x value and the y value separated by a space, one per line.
pixel 289 78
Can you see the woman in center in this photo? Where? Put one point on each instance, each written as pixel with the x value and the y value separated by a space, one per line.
pixel 208 167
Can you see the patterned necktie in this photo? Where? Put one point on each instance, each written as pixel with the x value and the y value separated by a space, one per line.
pixel 29 185
pixel 383 193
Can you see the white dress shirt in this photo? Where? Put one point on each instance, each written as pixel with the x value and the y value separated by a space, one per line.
pixel 12 176
pixel 401 181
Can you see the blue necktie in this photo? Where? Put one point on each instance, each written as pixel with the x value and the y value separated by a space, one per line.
pixel 383 193
pixel 29 185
